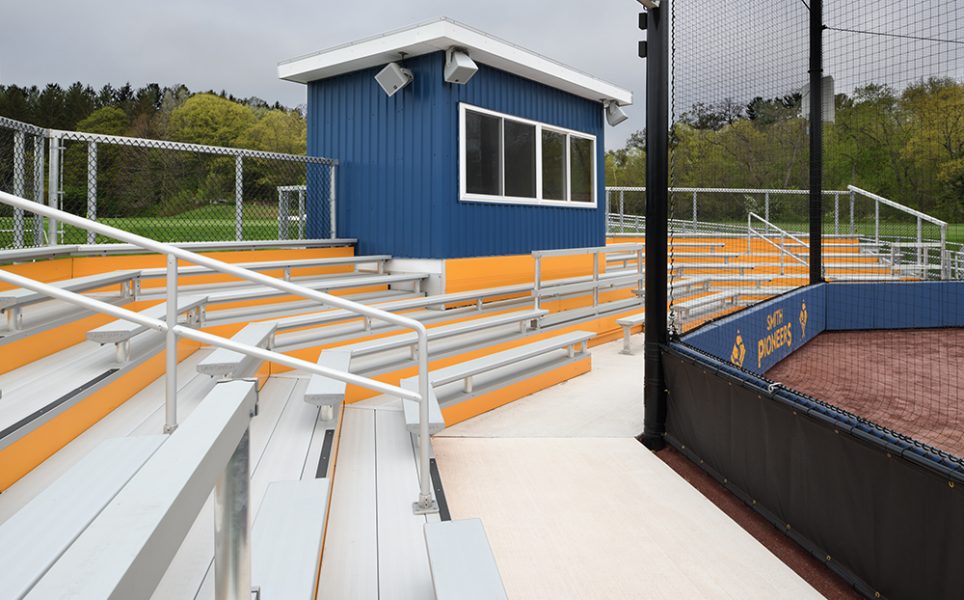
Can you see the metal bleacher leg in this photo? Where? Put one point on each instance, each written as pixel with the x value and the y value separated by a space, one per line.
pixel 122 351
pixel 232 549
pixel 14 318
pixel 626 346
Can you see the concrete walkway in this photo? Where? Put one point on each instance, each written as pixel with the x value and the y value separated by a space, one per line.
pixel 574 507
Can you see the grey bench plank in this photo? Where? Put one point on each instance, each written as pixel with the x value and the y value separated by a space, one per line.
pixel 689 305
pixel 23 297
pixel 332 316
pixel 627 323
pixel 463 567
pixel 444 331
pixel 325 391
pixel 507 357
pixel 271 265
pixel 127 549
pixel 228 363
pixel 122 330
pixel 604 283
pixel 411 408
pixel 287 539
pixel 257 293
pixel 36 536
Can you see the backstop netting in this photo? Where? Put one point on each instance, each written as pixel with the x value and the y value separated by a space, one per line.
pixel 889 348
pixel 835 408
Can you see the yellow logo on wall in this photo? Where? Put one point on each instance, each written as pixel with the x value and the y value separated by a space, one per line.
pixel 803 318
pixel 738 355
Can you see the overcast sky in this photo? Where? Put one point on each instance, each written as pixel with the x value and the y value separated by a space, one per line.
pixel 236 45
pixel 738 49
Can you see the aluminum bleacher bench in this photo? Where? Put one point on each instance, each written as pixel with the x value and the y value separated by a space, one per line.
pixel 441 300
pixel 575 342
pixel 324 391
pixel 124 330
pixel 259 292
pixel 287 539
pixel 274 265
pixel 121 332
pixel 685 309
pixel 740 268
pixel 461 561
pixel 627 323
pixel 606 281
pixel 34 538
pixel 125 549
pixel 228 364
pixel 13 301
pixel 411 409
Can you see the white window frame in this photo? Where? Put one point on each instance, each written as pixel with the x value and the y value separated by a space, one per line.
pixel 464 196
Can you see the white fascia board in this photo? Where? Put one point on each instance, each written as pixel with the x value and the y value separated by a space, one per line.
pixel 441 35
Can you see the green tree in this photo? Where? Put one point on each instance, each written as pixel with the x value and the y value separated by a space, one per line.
pixel 209 119
pixel 108 120
pixel 276 131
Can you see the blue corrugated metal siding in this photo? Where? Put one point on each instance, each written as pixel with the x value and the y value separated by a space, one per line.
pixel 398 184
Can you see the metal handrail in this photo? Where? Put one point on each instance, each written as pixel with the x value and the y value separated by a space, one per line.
pixel 942 225
pixel 425 503
pixel 595 252
pixel 750 233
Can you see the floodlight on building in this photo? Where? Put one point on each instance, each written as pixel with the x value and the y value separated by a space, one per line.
pixel 393 78
pixel 459 68
pixel 614 114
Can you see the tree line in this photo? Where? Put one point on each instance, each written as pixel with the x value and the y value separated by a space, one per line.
pixel 906 145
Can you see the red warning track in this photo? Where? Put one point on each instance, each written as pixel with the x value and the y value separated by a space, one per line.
pixel 910 381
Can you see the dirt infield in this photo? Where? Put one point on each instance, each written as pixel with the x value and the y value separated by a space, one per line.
pixel 910 381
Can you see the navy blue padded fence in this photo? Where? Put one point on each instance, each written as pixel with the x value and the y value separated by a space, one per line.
pixel 878 507
pixel 772 330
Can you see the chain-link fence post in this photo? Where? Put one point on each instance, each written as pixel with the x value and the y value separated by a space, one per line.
pixel 282 214
pixel 853 229
pixel 53 187
pixel 331 201
pixel 19 176
pixel 91 188
pixel 238 198
pixel 302 215
pixel 38 187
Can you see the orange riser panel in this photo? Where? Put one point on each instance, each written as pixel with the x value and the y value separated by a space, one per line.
pixel 24 351
pixel 20 457
pixel 491 400
pixel 43 271
pixel 465 274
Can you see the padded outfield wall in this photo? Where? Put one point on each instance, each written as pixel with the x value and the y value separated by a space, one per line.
pixel 879 508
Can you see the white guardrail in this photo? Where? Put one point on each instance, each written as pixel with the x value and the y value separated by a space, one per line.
pixel 424 503
pixel 950 264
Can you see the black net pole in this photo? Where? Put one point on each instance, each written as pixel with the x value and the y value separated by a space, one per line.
pixel 657 135
pixel 816 141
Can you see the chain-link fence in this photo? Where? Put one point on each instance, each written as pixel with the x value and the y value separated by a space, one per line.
pixel 168 191
pixel 22 173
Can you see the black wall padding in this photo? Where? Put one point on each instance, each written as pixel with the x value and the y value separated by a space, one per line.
pixel 895 527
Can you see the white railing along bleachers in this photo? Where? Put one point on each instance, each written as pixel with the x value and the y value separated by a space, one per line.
pixel 173 330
